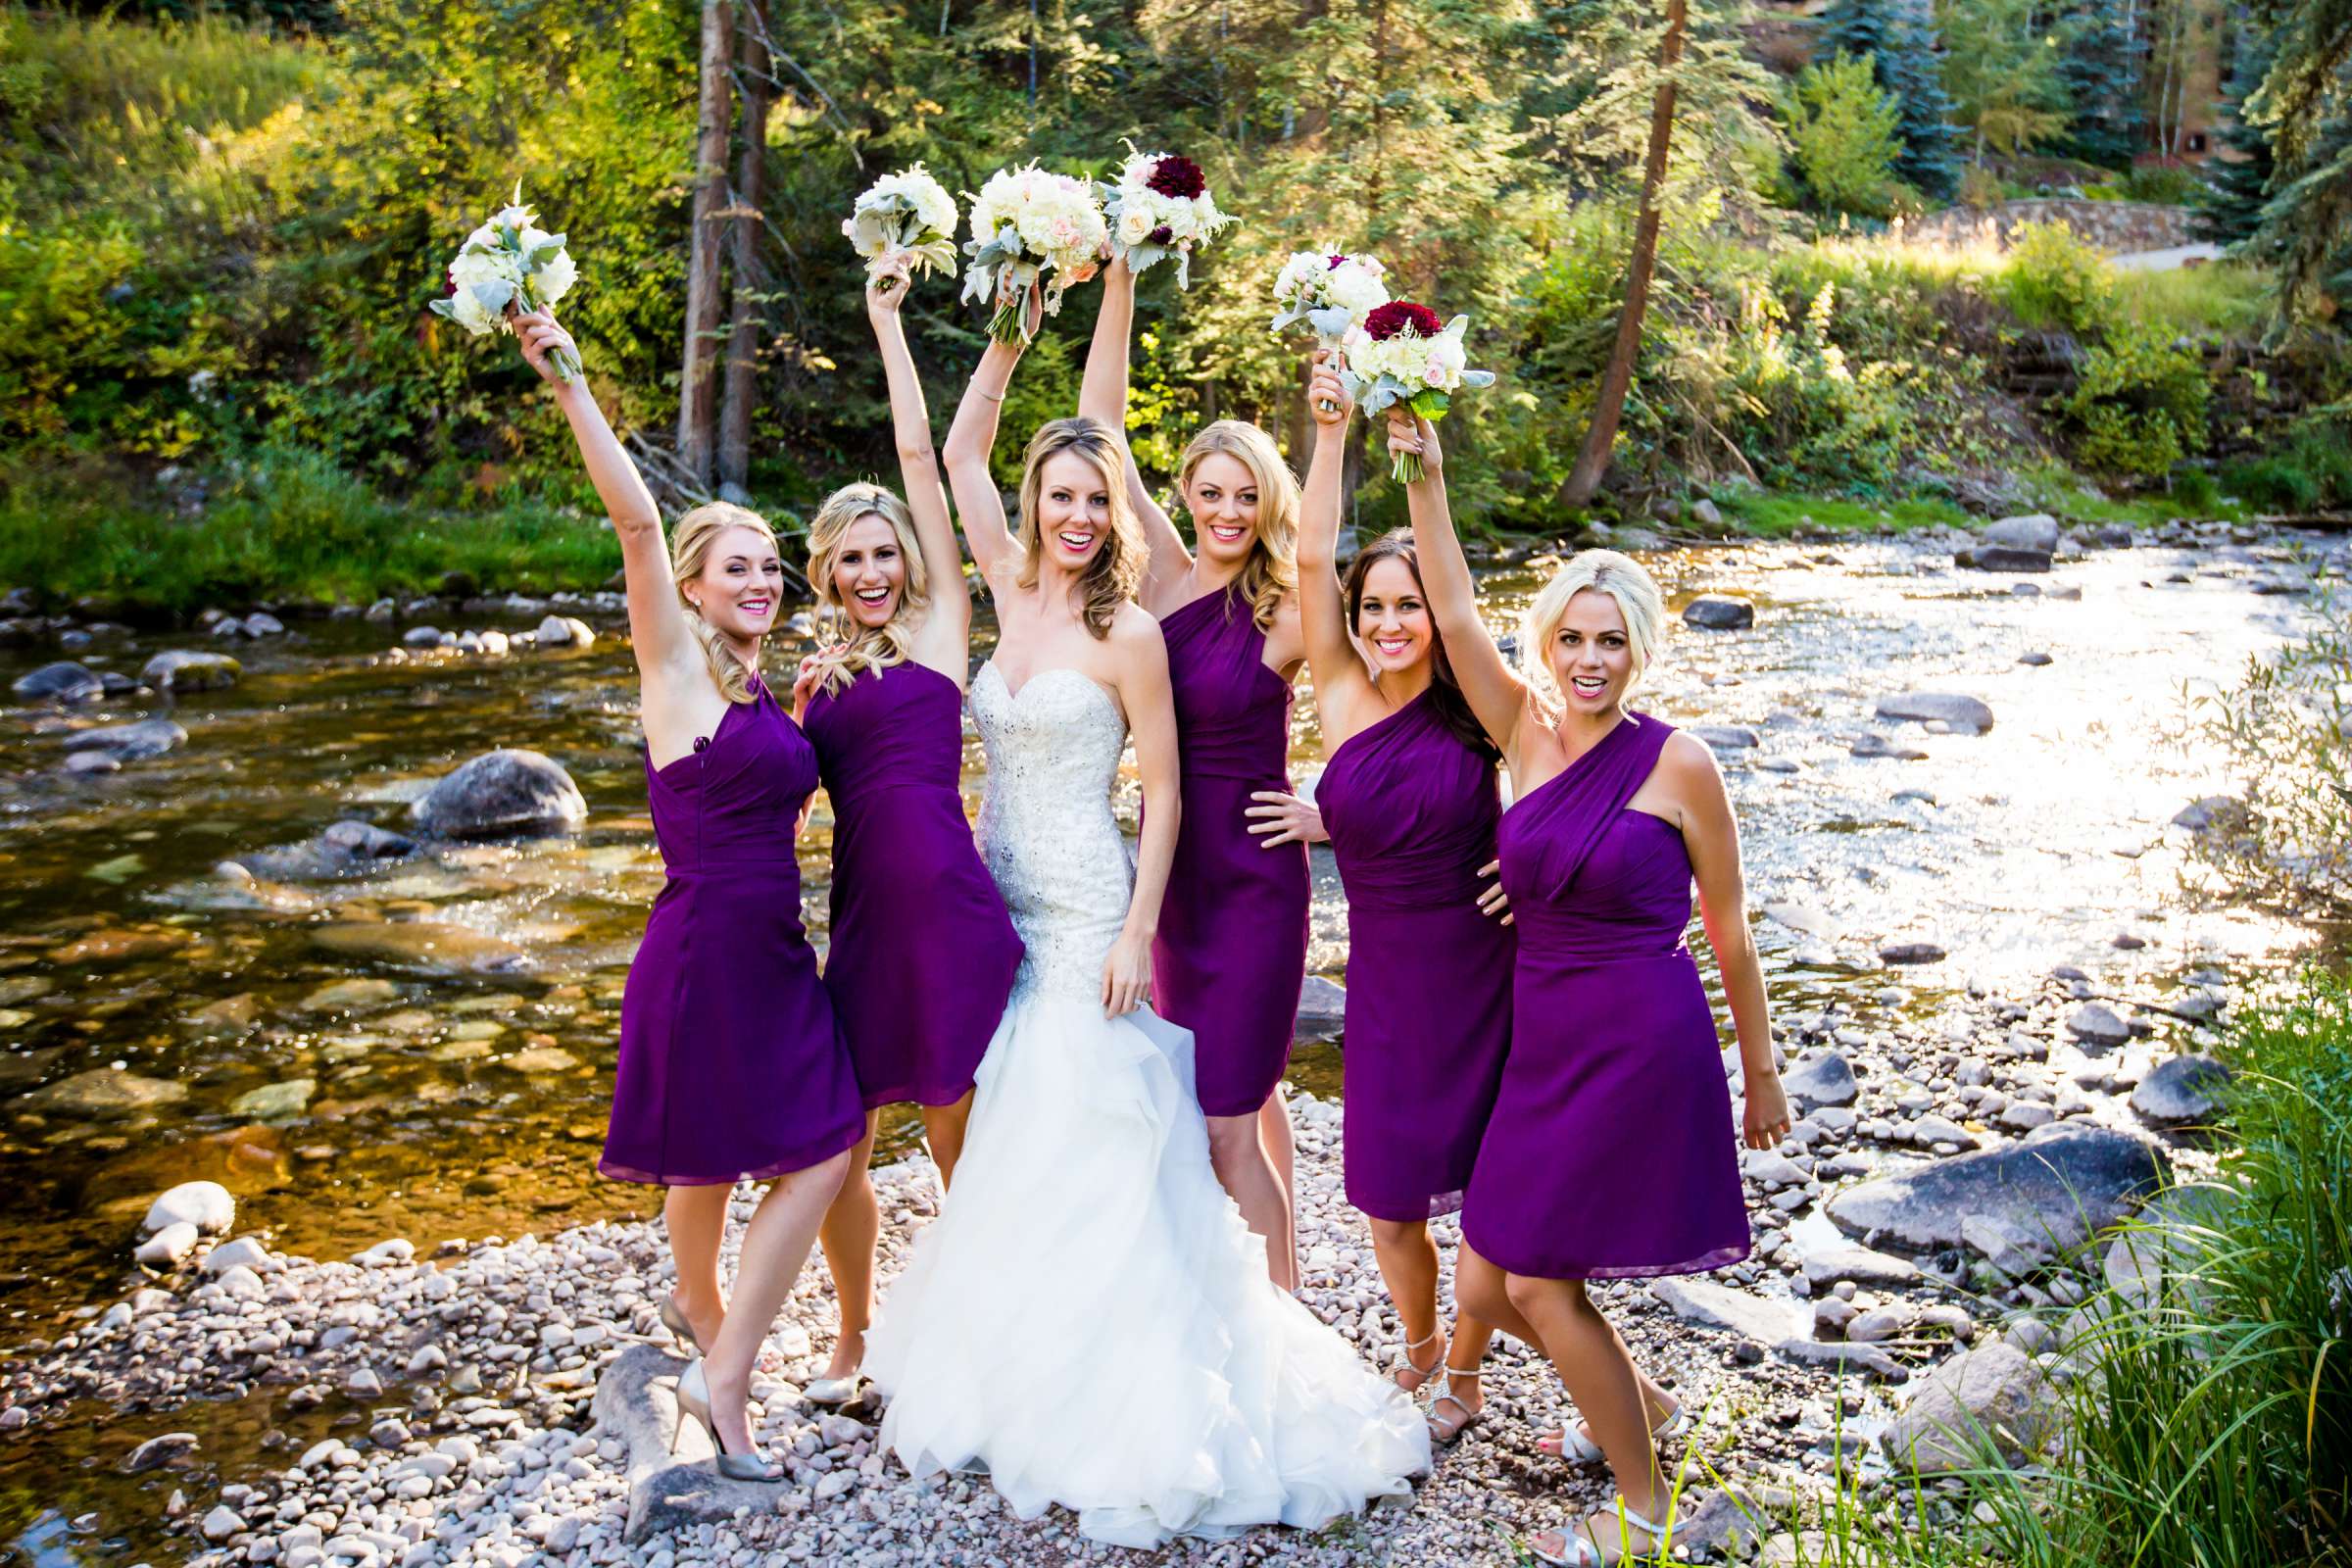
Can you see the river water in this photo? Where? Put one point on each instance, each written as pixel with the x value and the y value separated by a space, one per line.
pixel 462 1091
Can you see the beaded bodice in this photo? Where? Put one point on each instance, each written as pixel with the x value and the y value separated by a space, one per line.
pixel 1046 826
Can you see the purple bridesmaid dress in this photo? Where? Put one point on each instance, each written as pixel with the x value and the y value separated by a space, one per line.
pixel 1411 813
pixel 731 1064
pixel 923 952
pixel 1231 953
pixel 1610 1151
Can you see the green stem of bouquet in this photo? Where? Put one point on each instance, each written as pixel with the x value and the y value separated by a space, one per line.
pixel 1407 467
pixel 566 365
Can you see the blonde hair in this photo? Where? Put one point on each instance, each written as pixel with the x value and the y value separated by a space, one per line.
pixel 689 549
pixel 862 647
pixel 1601 572
pixel 1272 567
pixel 1117 570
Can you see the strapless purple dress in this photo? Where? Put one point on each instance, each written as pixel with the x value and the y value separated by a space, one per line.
pixel 1610 1153
pixel 731 1064
pixel 1231 953
pixel 1411 813
pixel 923 952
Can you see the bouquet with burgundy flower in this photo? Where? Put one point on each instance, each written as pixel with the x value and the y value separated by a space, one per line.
pixel 1330 292
pixel 1402 354
pixel 1160 207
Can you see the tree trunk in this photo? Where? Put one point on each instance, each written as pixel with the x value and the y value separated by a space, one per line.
pixel 751 190
pixel 1593 460
pixel 698 371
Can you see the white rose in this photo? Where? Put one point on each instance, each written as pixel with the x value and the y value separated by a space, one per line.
pixel 1135 227
pixel 555 279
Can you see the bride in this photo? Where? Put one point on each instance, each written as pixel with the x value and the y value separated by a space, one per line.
pixel 1089 1318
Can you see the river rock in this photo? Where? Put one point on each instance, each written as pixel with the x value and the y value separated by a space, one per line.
pixel 158 1452
pixel 2097 1025
pixel 1964 713
pixel 563 631
pixel 1799 917
pixel 1719 1307
pixel 1822 1078
pixel 2181 1091
pixel 2215 813
pixel 207 1205
pixel 276 1102
pixel 1911 952
pixel 1322 1007
pixel 366 840
pixel 61 682
pixel 1726 737
pixel 1992 1399
pixel 1827 1266
pixel 502 792
pixel 1715 613
pixel 343 995
pixel 261 624
pixel 2035 530
pixel 166 1246
pixel 2061 1183
pixel 221 1522
pixel 104 1092
pixel 435 947
pixel 191 670
pixel 421 637
pixel 244 1253
pixel 128 743
pixel 1870 743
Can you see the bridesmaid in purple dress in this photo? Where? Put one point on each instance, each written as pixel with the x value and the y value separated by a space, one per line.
pixel 1409 801
pixel 1607 1156
pixel 1231 953
pixel 922 951
pixel 732 1064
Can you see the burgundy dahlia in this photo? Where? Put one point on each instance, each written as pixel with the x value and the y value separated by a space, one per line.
pixel 1178 176
pixel 1401 316
pixel 1336 262
pixel 1161 235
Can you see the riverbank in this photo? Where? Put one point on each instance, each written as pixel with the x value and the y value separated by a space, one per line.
pixel 1978 936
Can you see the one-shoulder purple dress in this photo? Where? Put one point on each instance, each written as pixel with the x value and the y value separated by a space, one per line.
pixel 1411 811
pixel 1610 1151
pixel 1231 953
pixel 923 951
pixel 731 1064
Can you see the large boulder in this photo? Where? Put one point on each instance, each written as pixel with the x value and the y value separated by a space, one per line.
pixel 2183 1091
pixel 1991 1402
pixel 2062 1183
pixel 432 947
pixel 207 1205
pixel 1734 1312
pixel 1717 613
pixel 190 669
pixel 61 682
pixel 503 792
pixel 1956 708
pixel 105 1092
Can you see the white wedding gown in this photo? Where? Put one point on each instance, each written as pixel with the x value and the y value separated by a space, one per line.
pixel 1089 1318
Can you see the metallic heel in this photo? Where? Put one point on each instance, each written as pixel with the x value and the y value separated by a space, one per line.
pixel 694 1403
pixel 675 1321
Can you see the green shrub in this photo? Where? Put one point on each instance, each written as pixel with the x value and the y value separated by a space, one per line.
pixel 1844 128
pixel 2139 403
pixel 2172 184
pixel 2312 472
pixel 2051 278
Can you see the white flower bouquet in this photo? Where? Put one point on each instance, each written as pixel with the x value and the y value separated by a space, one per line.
pixel 1330 293
pixel 1027 224
pixel 1160 207
pixel 909 210
pixel 507 265
pixel 1402 354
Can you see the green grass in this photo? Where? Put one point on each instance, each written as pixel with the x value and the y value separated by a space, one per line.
pixel 2217 297
pixel 1773 514
pixel 285 527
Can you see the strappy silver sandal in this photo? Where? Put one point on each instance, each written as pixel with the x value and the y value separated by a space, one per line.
pixel 1576 1549
pixel 1577 1448
pixel 1407 1364
pixel 1469 1416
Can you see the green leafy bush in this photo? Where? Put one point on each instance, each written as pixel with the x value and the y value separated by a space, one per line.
pixel 1844 128
pixel 2172 184
pixel 2139 403
pixel 2053 279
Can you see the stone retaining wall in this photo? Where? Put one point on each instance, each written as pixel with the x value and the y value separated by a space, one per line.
pixel 2118 228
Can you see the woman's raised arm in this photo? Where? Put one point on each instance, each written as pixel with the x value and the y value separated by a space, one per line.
pixel 970 440
pixel 944 639
pixel 1342 684
pixel 659 635
pixel 1497 696
pixel 1102 398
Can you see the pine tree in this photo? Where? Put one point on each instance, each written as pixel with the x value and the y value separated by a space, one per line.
pixel 1899 36
pixel 2100 73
